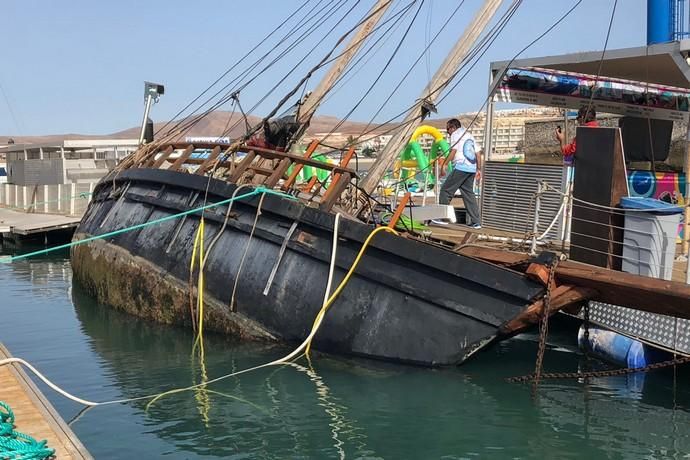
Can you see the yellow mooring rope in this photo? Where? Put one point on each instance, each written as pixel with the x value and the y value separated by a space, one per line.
pixel 341 286
pixel 201 393
pixel 199 245
pixel 205 382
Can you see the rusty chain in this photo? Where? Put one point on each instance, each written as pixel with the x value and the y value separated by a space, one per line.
pixel 544 323
pixel 595 374
pixel 543 333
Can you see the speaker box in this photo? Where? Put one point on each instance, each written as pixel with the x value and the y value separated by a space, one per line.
pixel 596 234
pixel 636 134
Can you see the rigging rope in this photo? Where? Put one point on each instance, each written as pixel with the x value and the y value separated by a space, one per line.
pixel 385 68
pixel 186 123
pixel 498 77
pixel 371 51
pixel 321 22
pixel 419 58
pixel 359 64
pixel 603 52
pixel 231 68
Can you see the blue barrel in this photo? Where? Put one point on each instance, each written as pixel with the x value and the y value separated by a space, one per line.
pixel 615 348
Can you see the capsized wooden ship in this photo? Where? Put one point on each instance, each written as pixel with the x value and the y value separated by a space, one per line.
pixel 412 299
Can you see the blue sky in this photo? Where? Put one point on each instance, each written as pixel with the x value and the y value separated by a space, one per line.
pixel 79 66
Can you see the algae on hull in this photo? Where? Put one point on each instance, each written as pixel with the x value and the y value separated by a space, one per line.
pixel 133 284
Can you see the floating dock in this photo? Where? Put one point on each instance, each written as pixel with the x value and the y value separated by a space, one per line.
pixel 18 225
pixel 35 416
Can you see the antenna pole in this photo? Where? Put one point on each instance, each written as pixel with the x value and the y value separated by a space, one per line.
pixel 147 108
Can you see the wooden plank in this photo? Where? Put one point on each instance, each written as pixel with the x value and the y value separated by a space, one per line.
pixel 295 159
pixel 242 166
pixel 34 415
pixel 399 210
pixel 272 155
pixel 561 297
pixel 633 291
pixel 164 156
pixel 310 185
pixel 298 166
pixel 278 174
pixel 539 273
pixel 338 189
pixel 343 164
pixel 498 256
pixel 262 171
pixel 22 223
pixel 618 288
pixel 208 161
pixel 183 158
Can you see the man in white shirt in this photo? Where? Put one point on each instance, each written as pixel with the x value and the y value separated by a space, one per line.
pixel 464 158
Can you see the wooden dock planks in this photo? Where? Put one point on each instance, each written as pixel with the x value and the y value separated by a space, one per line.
pixel 34 415
pixel 22 223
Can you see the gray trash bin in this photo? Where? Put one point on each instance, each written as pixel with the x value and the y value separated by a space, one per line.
pixel 649 241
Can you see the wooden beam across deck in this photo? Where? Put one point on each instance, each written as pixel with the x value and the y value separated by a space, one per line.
pixel 206 165
pixel 241 167
pixel 268 154
pixel 617 288
pixel 34 415
pixel 164 156
pixel 183 158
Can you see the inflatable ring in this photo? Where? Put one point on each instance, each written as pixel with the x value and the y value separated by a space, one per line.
pixel 426 129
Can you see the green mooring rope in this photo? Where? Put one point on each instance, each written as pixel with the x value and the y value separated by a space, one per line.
pixel 256 191
pixel 18 446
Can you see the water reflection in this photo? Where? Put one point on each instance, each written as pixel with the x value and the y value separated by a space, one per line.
pixel 242 409
pixel 339 408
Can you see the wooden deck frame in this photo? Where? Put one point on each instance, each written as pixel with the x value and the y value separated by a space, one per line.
pixel 252 164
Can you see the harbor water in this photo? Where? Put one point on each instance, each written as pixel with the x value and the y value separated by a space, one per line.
pixel 334 407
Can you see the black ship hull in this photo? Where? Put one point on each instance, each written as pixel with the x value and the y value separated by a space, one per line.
pixel 408 301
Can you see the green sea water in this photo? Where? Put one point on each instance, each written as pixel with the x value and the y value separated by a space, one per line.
pixel 334 407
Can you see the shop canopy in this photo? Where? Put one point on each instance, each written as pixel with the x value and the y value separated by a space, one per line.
pixel 651 82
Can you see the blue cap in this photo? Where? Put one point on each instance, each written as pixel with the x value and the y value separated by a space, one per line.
pixel 651 204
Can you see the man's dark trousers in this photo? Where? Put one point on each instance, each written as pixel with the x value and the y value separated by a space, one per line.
pixel 465 182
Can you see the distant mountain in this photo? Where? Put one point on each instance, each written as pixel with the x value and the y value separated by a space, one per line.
pixel 213 124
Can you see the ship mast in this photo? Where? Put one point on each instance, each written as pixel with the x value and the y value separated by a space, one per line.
pixel 334 73
pixel 430 94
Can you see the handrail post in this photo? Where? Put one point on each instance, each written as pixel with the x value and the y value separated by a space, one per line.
pixel 535 223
